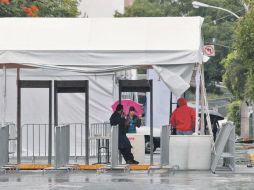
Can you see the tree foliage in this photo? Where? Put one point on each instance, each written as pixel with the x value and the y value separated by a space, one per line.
pixel 234 115
pixel 39 8
pixel 218 26
pixel 239 75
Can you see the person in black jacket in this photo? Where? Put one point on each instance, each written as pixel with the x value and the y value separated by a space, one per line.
pixel 124 145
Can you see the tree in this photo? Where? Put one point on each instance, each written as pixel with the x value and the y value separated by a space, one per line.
pixel 239 65
pixel 39 8
pixel 234 115
pixel 218 27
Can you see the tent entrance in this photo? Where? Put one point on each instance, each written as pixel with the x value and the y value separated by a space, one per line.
pixel 34 84
pixel 140 86
pixel 74 86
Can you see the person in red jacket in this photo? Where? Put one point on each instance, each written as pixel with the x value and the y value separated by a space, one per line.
pixel 183 119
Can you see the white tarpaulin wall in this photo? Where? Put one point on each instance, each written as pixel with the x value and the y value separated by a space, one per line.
pixel 102 94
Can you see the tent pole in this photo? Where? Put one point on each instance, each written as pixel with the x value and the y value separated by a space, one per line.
pixel 4 95
pixel 197 78
pixel 18 118
pixel 203 129
pixel 87 123
pixel 151 122
pixel 50 126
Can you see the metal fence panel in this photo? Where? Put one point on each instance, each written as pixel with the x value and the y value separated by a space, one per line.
pixel 35 140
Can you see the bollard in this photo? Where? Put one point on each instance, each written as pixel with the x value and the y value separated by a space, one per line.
pixel 4 145
pixel 114 146
pixel 164 159
pixel 62 145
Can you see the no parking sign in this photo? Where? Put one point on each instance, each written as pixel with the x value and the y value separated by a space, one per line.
pixel 209 50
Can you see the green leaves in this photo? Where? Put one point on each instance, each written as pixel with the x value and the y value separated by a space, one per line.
pixel 234 115
pixel 239 75
pixel 47 8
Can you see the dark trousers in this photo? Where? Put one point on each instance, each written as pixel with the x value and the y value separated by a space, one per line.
pixel 127 155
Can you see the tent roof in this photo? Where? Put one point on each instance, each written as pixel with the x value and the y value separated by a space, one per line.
pixel 101 41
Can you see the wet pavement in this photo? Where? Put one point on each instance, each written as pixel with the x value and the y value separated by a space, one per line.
pixel 242 179
pixel 124 181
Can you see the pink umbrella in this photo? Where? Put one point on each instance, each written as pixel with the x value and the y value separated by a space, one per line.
pixel 127 103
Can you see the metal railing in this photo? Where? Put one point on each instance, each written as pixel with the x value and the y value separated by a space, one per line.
pixel 98 130
pixel 35 140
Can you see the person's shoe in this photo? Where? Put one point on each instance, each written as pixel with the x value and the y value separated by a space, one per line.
pixel 132 162
pixel 135 162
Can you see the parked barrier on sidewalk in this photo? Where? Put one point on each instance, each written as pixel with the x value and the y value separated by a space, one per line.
pixel 164 145
pixel 62 145
pixel 4 145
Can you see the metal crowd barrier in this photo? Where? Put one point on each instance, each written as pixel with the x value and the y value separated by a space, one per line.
pixel 98 130
pixel 62 145
pixel 4 145
pixel 35 140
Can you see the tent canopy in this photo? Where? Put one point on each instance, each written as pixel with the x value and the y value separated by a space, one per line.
pixel 103 41
pixel 93 44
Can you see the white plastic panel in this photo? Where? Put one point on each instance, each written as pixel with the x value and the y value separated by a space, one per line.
pixel 190 152
pixel 138 146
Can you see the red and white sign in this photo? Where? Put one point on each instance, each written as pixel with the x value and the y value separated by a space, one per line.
pixel 209 50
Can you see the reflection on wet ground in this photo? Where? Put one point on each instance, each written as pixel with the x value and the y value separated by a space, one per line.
pixel 243 178
pixel 123 181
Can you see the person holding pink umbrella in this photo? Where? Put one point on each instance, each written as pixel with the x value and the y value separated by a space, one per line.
pixel 124 145
pixel 133 120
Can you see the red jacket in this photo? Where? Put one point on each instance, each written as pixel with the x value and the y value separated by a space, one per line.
pixel 184 117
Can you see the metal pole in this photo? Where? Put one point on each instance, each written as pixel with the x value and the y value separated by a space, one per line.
pixel 87 124
pixel 202 105
pixel 4 95
pixel 55 104
pixel 151 122
pixel 197 4
pixel 18 119
pixel 50 125
pixel 171 103
pixel 55 115
pixel 120 92
pixel 197 78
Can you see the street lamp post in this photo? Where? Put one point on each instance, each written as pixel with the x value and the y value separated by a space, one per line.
pixel 197 4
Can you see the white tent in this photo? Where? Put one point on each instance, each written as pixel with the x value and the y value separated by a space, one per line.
pixel 171 45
